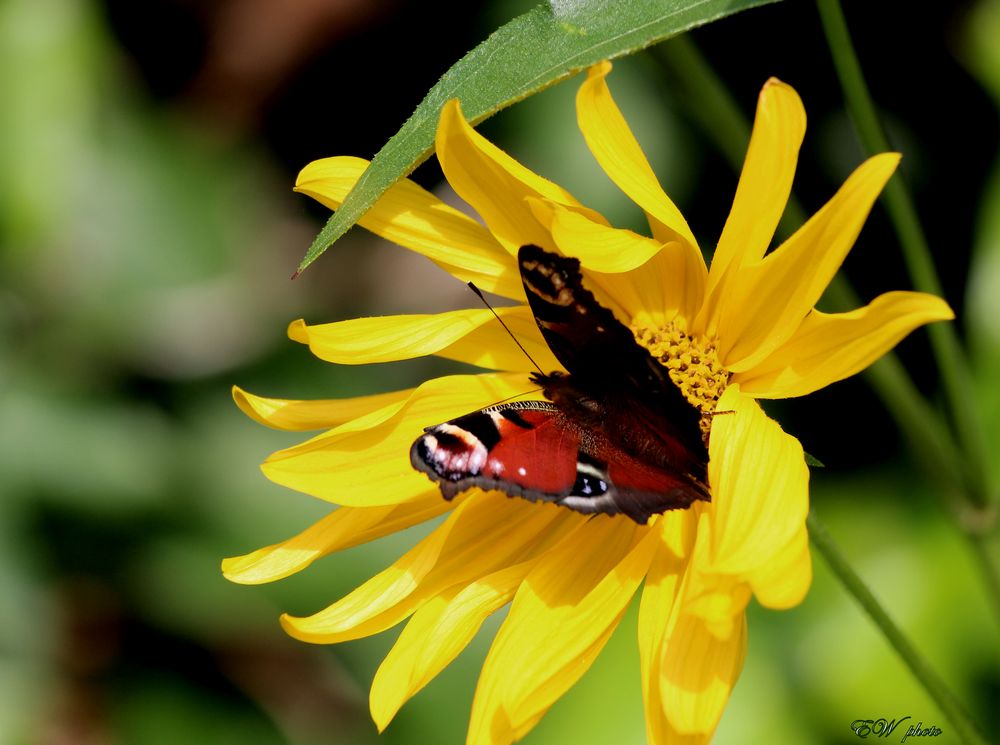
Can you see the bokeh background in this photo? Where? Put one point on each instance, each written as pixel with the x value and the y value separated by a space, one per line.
pixel 147 236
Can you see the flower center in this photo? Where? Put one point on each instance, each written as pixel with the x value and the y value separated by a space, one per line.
pixel 692 363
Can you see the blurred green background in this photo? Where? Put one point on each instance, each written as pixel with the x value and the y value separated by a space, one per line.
pixel 147 236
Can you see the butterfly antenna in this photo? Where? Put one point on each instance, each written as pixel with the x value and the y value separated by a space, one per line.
pixel 506 328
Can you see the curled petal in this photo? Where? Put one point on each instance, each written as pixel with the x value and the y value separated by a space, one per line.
pixel 365 462
pixel 765 183
pixel 629 273
pixel 770 298
pixel 614 146
pixel 660 595
pixel 560 619
pixel 636 276
pixel 496 185
pixel 672 283
pixel 472 336
pixel 718 600
pixel 435 635
pixel 760 486
pixel 784 581
pixel 830 347
pixel 688 669
pixel 343 528
pixel 599 247
pixel 412 217
pixel 297 416
pixel 698 673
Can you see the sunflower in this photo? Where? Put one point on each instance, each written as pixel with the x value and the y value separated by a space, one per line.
pixel 742 330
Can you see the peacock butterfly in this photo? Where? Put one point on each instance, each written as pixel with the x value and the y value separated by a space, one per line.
pixel 616 435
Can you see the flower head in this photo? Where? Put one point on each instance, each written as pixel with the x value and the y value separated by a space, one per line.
pixel 741 330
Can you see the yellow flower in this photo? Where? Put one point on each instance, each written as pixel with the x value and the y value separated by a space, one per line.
pixel 742 330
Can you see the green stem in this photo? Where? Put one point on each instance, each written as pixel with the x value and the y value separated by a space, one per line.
pixel 947 702
pixel 988 568
pixel 955 376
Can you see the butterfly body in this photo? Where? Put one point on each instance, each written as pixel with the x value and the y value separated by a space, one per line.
pixel 615 435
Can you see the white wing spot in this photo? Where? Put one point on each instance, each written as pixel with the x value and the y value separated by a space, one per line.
pixel 588 470
pixel 522 471
pixel 471 460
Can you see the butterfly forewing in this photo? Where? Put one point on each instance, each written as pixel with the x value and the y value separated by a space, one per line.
pixel 595 347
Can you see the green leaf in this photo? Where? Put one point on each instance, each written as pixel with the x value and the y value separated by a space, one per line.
pixel 813 462
pixel 522 57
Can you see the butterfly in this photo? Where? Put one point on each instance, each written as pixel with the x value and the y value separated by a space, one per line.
pixel 615 435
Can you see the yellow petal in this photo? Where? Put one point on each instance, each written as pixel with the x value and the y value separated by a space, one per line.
pixel 698 673
pixel 360 612
pixel 481 536
pixel 635 276
pixel 667 735
pixel 770 299
pixel 624 270
pixel 672 283
pixel 765 183
pixel 610 290
pixel 435 635
pixel 718 600
pixel 411 216
pixel 614 146
pixel 599 248
pixel 687 668
pixel 495 184
pixel 659 595
pixel 830 347
pixel 560 619
pixel 760 486
pixel 784 581
pixel 472 336
pixel 366 462
pixel 297 416
pixel 342 528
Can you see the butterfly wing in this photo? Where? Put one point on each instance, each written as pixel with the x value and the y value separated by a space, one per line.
pixel 616 436
pixel 598 350
pixel 531 449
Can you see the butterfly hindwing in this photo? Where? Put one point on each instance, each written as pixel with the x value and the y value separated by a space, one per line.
pixel 516 447
pixel 530 449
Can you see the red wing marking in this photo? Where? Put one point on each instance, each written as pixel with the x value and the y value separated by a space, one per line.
pixel 532 450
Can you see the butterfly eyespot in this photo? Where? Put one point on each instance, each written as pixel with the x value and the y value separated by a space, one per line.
pixel 587 486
